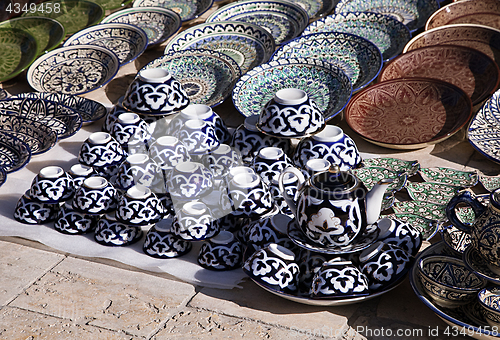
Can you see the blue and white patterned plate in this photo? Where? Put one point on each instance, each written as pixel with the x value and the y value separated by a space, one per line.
pixel 326 85
pixel 315 8
pixel 187 9
pixel 159 23
pixel 285 20
pixel 208 77
pixel 388 34
pixel 359 58
pixel 412 13
pixel 127 41
pixel 73 69
pixel 249 45
pixel 14 153
pixel 3 176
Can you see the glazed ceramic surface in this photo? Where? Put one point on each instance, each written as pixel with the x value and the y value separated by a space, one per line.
pixel 359 58
pixel 73 69
pixel 433 192
pixel 398 165
pixel 112 4
pixel 14 153
pixel 490 183
pixel 475 262
pixel 100 149
pixel 408 113
pixel 427 227
pixel 387 33
pixel 187 10
pixel 72 222
pixel 285 20
pixel 221 252
pixel 95 196
pixel 158 23
pixel 139 207
pixel 338 279
pixel 30 211
pixel 110 232
pixel 52 185
pixel 457 240
pixel 195 222
pixel 3 176
pixel 325 84
pixel 450 176
pixel 19 50
pixel 371 175
pixel 208 77
pixel 161 242
pixel 472 71
pixel 432 211
pixel 482 12
pixel 249 45
pixel 315 9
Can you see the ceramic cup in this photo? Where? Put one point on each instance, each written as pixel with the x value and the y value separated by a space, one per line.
pixel 194 222
pixel 265 231
pixel 269 162
pixel 139 207
pixel 290 184
pixel 100 150
pixel 79 173
pixel 30 211
pixel 221 160
pixel 221 252
pixel 489 300
pixel 112 116
pixel 110 232
pixel 313 166
pixel 309 263
pixel 155 92
pixel 291 114
pixel 95 196
pixel 189 180
pixel 249 195
pixel 400 234
pixel 130 129
pixel 168 151
pixel 72 222
pixel 136 169
pixel 161 242
pixel 52 185
pixel 198 136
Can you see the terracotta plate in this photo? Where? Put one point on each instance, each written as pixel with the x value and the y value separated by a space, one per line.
pixel 408 113
pixel 472 71
pixel 481 12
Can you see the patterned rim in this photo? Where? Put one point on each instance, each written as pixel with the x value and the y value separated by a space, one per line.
pixel 187 9
pixel 14 153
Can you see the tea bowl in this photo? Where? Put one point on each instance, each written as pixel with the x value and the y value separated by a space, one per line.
pixel 136 169
pixel 73 222
pixel 161 242
pixel 79 173
pixel 100 149
pixel 130 129
pixel 139 207
pixel 95 196
pixel 269 162
pixel 30 211
pixel 189 180
pixel 52 185
pixel 110 232
pixel 168 151
pixel 400 234
pixel 221 252
pixel 249 195
pixel 195 222
pixel 198 136
pixel 489 300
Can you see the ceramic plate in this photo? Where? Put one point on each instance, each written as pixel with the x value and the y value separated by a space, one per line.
pixel 387 33
pixel 412 13
pixel 484 131
pixel 48 32
pixel 19 50
pixel 315 8
pixel 14 153
pixel 431 211
pixel 432 192
pixel 398 165
pixel 159 23
pixel 128 42
pixel 284 20
pixel 475 262
pixel 408 113
pixel 187 9
pixel 208 77
pixel 3 176
pixel 480 12
pixel 112 4
pixel 249 45
pixel 469 69
pixel 90 110
pixel 359 58
pixel 326 85
pixel 481 38
pixel 371 175
pixel 73 69
pixel 62 119
pixel 74 15
pixel 450 176
pixel 427 227
pixel 36 135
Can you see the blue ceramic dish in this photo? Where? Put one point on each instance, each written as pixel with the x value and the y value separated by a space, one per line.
pixel 187 9
pixel 14 154
pixel 316 8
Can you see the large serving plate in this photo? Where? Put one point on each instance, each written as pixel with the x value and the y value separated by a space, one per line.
pixel 249 45
pixel 208 77
pixel 388 34
pixel 285 20
pixel 469 69
pixel 112 4
pixel 480 12
pixel 73 69
pixel 74 15
pixel 48 32
pixel 412 13
pixel 359 58
pixel 3 176
pixel 327 85
pixel 159 23
pixel 18 50
pixel 127 41
pixel 408 113
pixel 187 9
pixel 315 8
pixel 14 153
pixel 484 129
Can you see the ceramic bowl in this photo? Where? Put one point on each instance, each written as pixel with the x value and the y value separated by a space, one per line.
pixel 129 128
pixel 195 222
pixel 79 173
pixel 198 136
pixel 187 10
pixel 489 300
pixel 221 252
pixel 155 92
pixel 221 160
pixel 399 233
pixel 112 116
pixel 95 196
pixel 269 162
pixel 272 229
pixel 52 185
pixel 162 243
pixel 110 232
pixel 290 185
pixel 168 151
pixel 72 222
pixel 30 211
pixel 139 207
pixel 100 149
pixel 136 169
pixel 189 180
pixel 249 195
pixel 448 281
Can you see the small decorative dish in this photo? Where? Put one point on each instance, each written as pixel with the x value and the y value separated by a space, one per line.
pixel 480 12
pixel 14 153
pixel 159 23
pixel 483 133
pixel 388 34
pixel 450 176
pixel 490 183
pixel 467 68
pixel 427 227
pixel 48 32
pixel 431 211
pixel 73 70
pixel 249 45
pixel 285 20
pixel 19 50
pixel 187 9
pixel 394 164
pixel 475 262
pixel 208 77
pixel 432 192
pixel 316 8
pixel 108 5
pixel 127 41
pixel 371 175
pixel 412 13
pixel 324 83
pixel 359 58
pixel 74 15
pixel 429 112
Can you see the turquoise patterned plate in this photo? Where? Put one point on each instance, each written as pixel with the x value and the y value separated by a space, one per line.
pixel 187 9
pixel 398 165
pixel 19 50
pixel 432 192
pixel 14 153
pixel 387 33
pixel 325 84
pixel 431 211
pixel 208 77
pixel 359 58
pixel 285 20
pixel 371 175
pixel 450 176
pixel 249 45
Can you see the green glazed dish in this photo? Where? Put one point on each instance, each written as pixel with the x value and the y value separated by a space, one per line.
pixel 111 4
pixel 19 49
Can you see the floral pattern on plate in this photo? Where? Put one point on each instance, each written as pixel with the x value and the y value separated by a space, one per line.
pixel 371 175
pixel 315 8
pixel 19 49
pixel 187 9
pixel 428 210
pixel 14 153
pixel 490 183
pixel 450 176
pixel 432 192
pixel 394 164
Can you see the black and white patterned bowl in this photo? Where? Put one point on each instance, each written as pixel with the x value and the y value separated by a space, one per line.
pixel 198 135
pixel 110 232
pixel 221 160
pixel 195 222
pixel 95 196
pixel 130 129
pixel 136 169
pixel 79 173
pixel 399 233
pixel 489 300
pixel 161 242
pixel 100 150
pixel 52 185
pixel 72 222
pixel 168 151
pixel 139 207
pixel 188 181
pixel 269 162
pixel 272 229
pixel 221 252
pixel 250 196
pixel 30 211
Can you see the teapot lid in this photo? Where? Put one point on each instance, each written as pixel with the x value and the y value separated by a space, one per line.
pixel 335 182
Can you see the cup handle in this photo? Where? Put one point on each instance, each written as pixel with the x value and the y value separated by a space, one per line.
pixel 290 200
pixel 466 198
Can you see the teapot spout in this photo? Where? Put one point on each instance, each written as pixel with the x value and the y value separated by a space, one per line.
pixel 374 200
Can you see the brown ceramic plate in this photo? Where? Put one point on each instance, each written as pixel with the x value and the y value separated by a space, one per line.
pixel 479 37
pixel 480 12
pixel 408 113
pixel 472 71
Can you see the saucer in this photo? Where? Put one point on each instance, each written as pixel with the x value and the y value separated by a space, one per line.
pixel 474 262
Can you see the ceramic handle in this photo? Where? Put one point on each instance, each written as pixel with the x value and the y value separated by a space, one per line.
pixel 301 179
pixel 466 198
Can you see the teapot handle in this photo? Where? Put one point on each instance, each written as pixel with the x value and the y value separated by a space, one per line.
pixel 466 198
pixel 290 200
